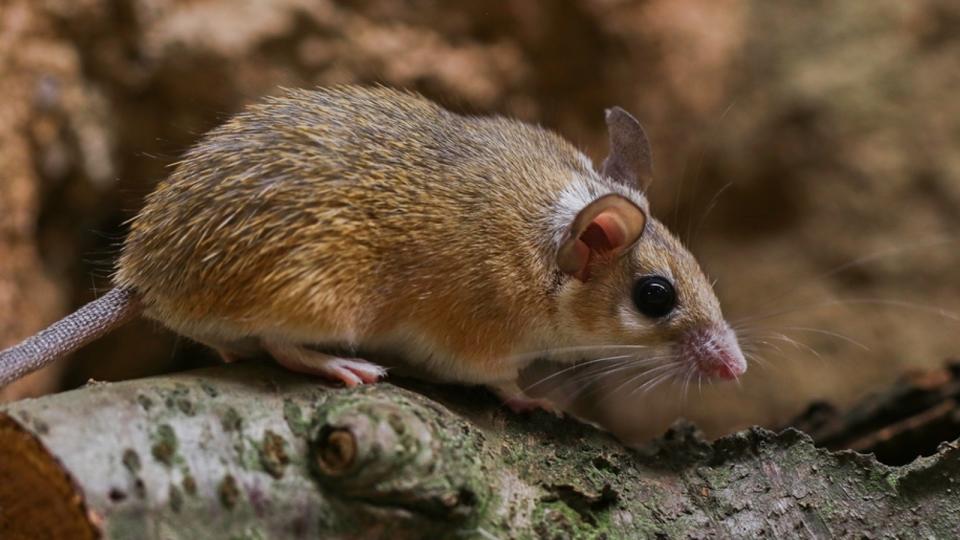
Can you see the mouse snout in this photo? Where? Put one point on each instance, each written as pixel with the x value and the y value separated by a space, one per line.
pixel 715 352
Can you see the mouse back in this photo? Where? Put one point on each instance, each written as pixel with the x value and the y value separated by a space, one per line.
pixel 365 215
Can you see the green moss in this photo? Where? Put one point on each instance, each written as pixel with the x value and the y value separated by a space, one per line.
pixel 293 415
pixel 145 402
pixel 252 533
pixel 131 460
pixel 239 446
pixel 209 390
pixel 179 398
pixel 186 406
pixel 176 498
pixel 557 520
pixel 716 477
pixel 893 482
pixel 231 420
pixel 164 447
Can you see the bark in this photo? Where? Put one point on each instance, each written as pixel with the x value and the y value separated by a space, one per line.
pixel 251 451
pixel 910 418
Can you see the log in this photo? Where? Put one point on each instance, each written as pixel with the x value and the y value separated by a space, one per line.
pixel 909 419
pixel 252 451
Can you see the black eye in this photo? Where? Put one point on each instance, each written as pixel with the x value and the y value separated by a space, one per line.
pixel 654 296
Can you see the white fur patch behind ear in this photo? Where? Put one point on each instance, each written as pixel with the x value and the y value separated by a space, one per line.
pixel 581 191
pixel 572 200
pixel 585 161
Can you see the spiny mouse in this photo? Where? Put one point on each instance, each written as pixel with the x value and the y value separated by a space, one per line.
pixel 373 219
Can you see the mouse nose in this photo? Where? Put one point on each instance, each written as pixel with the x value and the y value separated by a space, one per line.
pixel 725 366
pixel 715 352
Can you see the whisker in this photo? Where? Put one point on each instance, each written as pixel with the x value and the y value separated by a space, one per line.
pixel 770 344
pixel 674 217
pixel 941 312
pixel 573 367
pixel 697 175
pixel 797 344
pixel 837 335
pixel 686 380
pixel 639 377
pixel 696 180
pixel 587 382
pixel 653 383
pixel 600 365
pixel 596 372
pixel 859 261
pixel 710 206
pixel 675 373
pixel 752 355
pixel 534 355
pixel 758 360
pixel 755 354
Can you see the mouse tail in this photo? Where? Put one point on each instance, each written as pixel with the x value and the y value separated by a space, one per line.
pixel 87 324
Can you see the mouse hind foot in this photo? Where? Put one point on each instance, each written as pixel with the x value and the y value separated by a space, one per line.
pixel 350 371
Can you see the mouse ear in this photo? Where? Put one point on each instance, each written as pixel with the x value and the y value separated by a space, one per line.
pixel 604 229
pixel 630 161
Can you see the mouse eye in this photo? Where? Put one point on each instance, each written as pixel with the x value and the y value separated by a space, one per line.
pixel 654 296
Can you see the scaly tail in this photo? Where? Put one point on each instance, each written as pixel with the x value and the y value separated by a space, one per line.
pixel 88 323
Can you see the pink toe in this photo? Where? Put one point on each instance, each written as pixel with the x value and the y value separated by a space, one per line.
pixel 347 377
pixel 368 377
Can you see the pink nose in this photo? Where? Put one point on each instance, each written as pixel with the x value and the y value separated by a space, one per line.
pixel 724 366
pixel 715 352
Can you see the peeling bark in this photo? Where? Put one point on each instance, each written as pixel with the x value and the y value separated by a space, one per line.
pixel 251 451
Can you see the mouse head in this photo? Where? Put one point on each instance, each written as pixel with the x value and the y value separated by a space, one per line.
pixel 631 282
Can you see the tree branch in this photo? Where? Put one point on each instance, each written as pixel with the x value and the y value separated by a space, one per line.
pixel 251 451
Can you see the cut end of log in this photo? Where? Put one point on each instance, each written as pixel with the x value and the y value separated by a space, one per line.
pixel 37 496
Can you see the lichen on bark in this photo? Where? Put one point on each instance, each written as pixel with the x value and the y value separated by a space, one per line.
pixel 262 453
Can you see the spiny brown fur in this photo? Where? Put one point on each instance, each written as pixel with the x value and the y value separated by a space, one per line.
pixel 344 212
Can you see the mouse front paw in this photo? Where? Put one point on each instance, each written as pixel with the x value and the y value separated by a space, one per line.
pixel 518 402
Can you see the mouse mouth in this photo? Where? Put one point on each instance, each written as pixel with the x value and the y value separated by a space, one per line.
pixel 714 351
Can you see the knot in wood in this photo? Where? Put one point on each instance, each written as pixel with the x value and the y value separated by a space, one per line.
pixel 336 451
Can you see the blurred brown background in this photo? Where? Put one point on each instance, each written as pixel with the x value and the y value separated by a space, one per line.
pixel 832 129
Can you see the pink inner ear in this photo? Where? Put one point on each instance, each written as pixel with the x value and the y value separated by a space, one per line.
pixel 605 233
